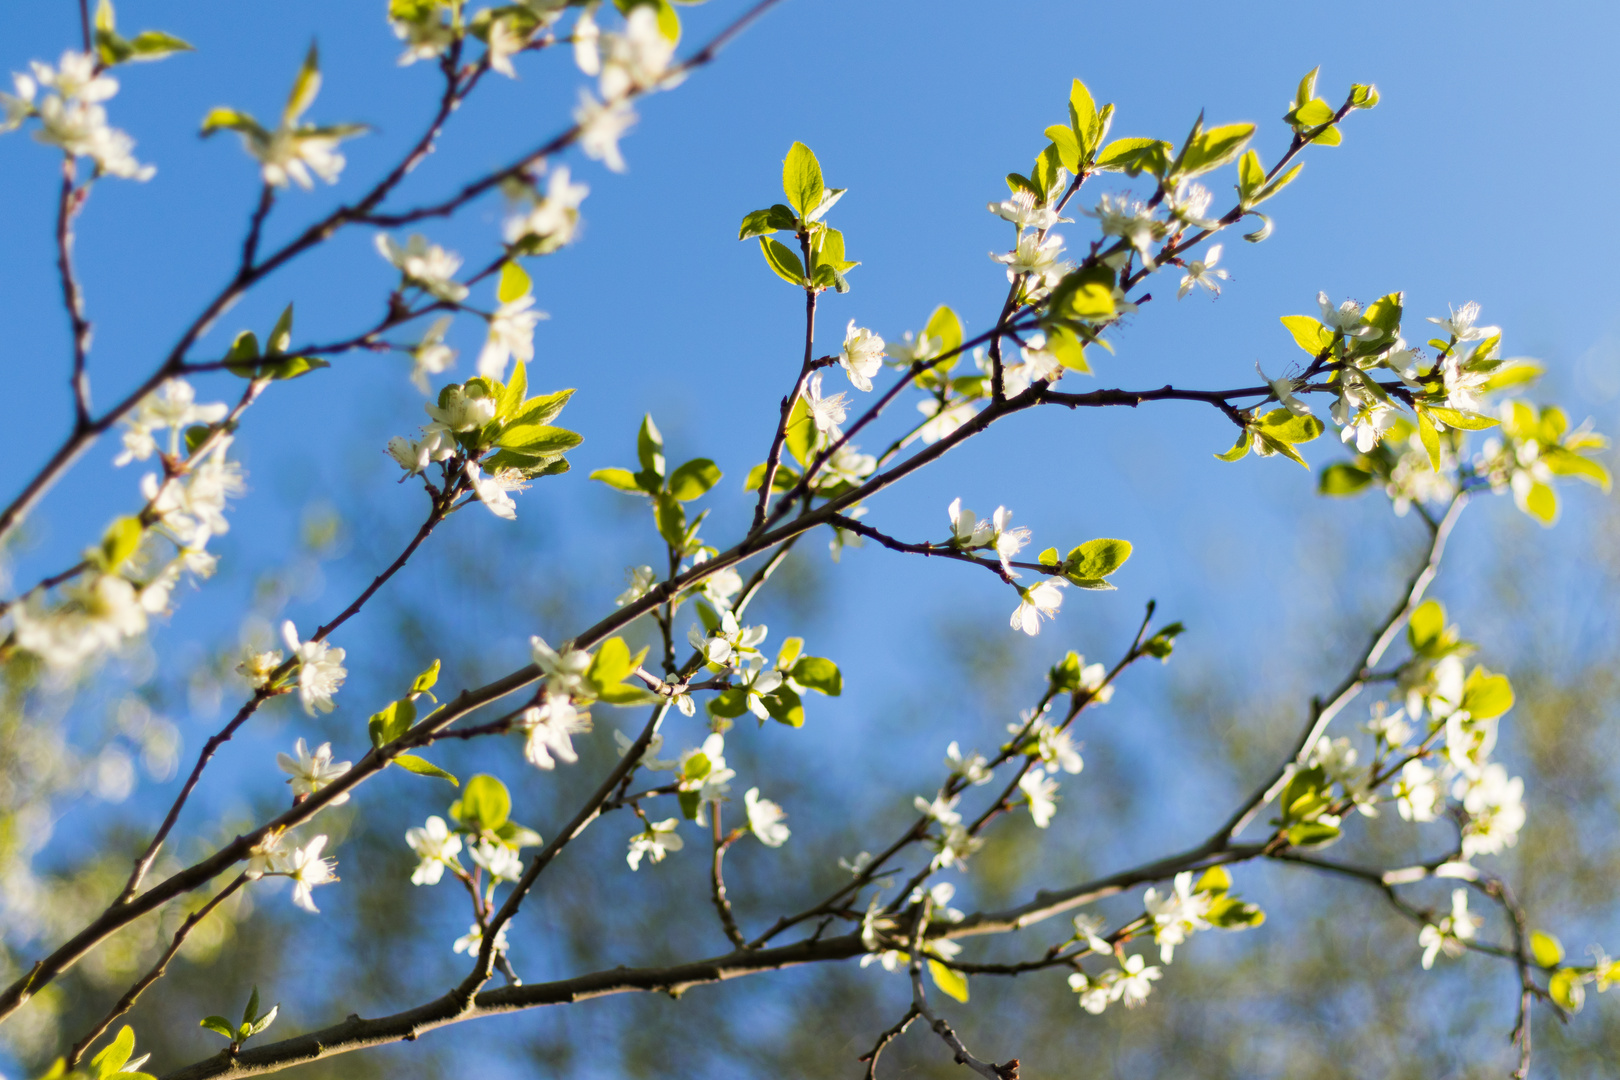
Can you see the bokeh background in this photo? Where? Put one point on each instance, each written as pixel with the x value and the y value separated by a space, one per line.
pixel 1461 186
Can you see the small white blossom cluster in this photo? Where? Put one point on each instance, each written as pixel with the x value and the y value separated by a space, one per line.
pixel 273 856
pixel 633 62
pixel 67 100
pixel 115 597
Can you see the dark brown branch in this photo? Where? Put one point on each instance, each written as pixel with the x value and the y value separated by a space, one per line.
pixel 883 1041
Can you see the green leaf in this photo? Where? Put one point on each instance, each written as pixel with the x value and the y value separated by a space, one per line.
pixel 1313 113
pixel 1083 117
pixel 1328 137
pixel 514 283
pixel 671 519
pixel 423 767
pixel 292 367
pixel 1547 949
pixel 485 803
pixel 801 180
pixel 280 338
pixel 516 836
pixel 1162 644
pixel 119 542
pixel 694 479
pixel 1463 420
pixel 538 440
pixel 115 1054
pixel 1095 560
pixel 1085 294
pixel 1134 156
pixel 232 120
pixel 613 663
pixel 1309 334
pixel 264 1021
pixel 627 694
pixel 1343 479
pixel 785 706
pixel 1044 174
pixel 244 349
pixel 1240 449
pixel 1251 175
pixel 784 481
pixel 650 446
pixel 951 983
pixel 1363 97
pixel 543 409
pixel 1278 184
pixel 791 648
pixel 729 704
pixel 1281 425
pixel 305 87
pixel 1213 148
pixel 1430 438
pixel 1427 625
pixel 1216 879
pixel 510 400
pixel 801 433
pixel 818 673
pixel 1307 87
pixel 1385 313
pixel 945 329
pixel 1487 696
pixel 1068 146
pixel 252 1008
pixel 425 682
pixel 1230 913
pixel 1566 989
pixel 391 722
pixel 219 1025
pixel 621 479
pixel 155 45
pixel 1541 503
pixel 783 261
pixel 776 218
pixel 1562 462
pixel 1312 834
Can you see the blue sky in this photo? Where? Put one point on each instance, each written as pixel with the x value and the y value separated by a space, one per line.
pixel 1455 188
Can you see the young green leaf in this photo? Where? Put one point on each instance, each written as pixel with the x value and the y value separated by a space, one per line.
pixel 818 673
pixel 514 283
pixel 1342 479
pixel 485 803
pixel 219 1025
pixel 801 179
pixel 783 261
pixel 951 983
pixel 694 479
pixel 422 767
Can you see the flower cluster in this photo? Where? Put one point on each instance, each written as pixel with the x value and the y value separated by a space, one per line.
pixel 67 100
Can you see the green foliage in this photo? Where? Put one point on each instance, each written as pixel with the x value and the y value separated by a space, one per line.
pixel 1089 564
pixel 113 48
pixel 484 804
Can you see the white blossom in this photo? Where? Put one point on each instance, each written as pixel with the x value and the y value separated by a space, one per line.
pixel 825 412
pixel 765 819
pixel 1089 928
pixel 426 265
pixel 1449 934
pixel 511 334
pixel 1134 982
pixel 1417 792
pixel 431 357
pixel 640 579
pixel 310 772
pixel 970 767
pixel 601 126
pixel 320 669
pixel 1460 323
pixel 268 856
pixel 554 218
pixel 457 409
pixel 564 669
pixel 436 846
pixel 1176 914
pixel 1035 256
pixel 1023 211
pixel 1203 272
pixel 1495 812
pixel 1095 994
pixel 493 489
pixel 257 667
pixel 550 727
pixel 1041 791
pixel 862 355
pixel 1043 599
pixel 637 59
pixel 172 405
pixel 1347 318
pixel 473 940
pixel 499 861
pixel 658 839
pixel 1132 221
pixel 307 870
